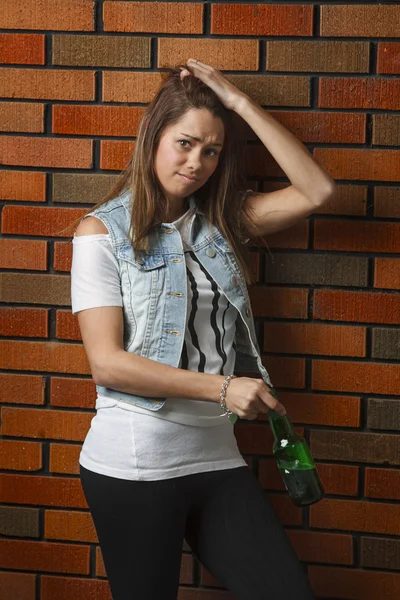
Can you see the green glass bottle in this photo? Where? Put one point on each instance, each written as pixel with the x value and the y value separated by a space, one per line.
pixel 294 460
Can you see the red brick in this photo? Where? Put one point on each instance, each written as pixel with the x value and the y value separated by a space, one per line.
pixel 64 458
pixel 62 260
pixel 26 220
pixel 42 491
pixel 382 483
pixel 66 588
pixel 97 120
pixel 44 356
pixel 17 586
pixel 360 21
pixel 24 117
pixel 295 236
pixel 367 307
pixel 340 128
pixel 68 15
pixel 74 393
pixel 60 558
pixel 334 582
pixel 356 377
pixel 354 163
pixel 286 372
pixel 43 423
pixel 69 525
pixel 20 456
pixel 284 303
pixel 22 389
pixel 348 199
pixel 386 273
pixel 126 86
pixel 67 326
pixel 22 48
pixel 359 92
pixel 115 156
pixel 256 438
pixel 47 84
pixel 314 546
pixel 387 202
pixel 356 515
pixel 100 568
pixel 224 54
pixel 25 322
pixel 388 62
pixel 46 152
pixel 319 409
pixel 159 17
pixel 366 237
pixel 288 513
pixel 23 185
pixel 310 338
pixel 23 254
pixel 259 19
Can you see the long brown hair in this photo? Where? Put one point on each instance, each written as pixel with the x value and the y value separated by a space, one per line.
pixel 220 199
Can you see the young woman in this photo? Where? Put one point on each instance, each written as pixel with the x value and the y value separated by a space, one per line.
pixel 159 280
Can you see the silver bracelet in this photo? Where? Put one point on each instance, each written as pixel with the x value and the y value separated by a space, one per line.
pixel 225 409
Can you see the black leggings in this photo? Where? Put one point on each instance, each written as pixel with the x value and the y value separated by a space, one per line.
pixel 225 517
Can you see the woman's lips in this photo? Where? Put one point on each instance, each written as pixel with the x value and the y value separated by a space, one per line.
pixel 187 179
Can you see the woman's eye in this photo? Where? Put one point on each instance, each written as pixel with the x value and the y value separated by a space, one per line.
pixel 184 141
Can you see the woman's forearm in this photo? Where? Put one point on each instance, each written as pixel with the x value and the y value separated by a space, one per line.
pixel 288 151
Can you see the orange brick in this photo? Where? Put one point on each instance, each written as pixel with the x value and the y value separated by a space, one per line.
pixel 359 92
pixel 44 356
pixel 64 458
pixel 30 555
pixel 126 86
pixel 356 164
pixel 387 202
pixel 388 62
pixel 46 152
pixel 386 273
pixel 22 389
pixel 69 525
pixel 356 377
pixel 366 237
pixel 259 19
pixel 65 588
pixel 100 568
pixel 356 515
pixel 232 55
pixel 382 483
pixel 159 17
pixel 309 338
pixel 343 128
pixel 368 307
pixel 115 155
pixel 23 254
pixel 97 120
pixel 315 546
pixel 43 423
pixel 23 185
pixel 22 48
pixel 319 409
pixel 47 84
pixel 76 392
pixel 68 15
pixel 22 116
pixel 26 220
pixel 334 582
pixel 20 456
pixel 62 259
pixel 67 326
pixel 25 322
pixel 17 585
pixel 47 491
pixel 360 21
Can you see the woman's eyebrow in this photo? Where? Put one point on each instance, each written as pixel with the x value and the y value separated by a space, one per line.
pixel 199 140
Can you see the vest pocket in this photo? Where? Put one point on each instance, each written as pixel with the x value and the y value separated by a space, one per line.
pixel 140 276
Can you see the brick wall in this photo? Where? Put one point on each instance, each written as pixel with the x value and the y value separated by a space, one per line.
pixel 75 77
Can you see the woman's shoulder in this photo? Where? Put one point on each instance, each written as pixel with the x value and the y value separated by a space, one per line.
pixel 91 226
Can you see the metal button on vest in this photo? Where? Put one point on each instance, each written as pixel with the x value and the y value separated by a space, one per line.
pixel 247 312
pixel 211 252
pixel 234 281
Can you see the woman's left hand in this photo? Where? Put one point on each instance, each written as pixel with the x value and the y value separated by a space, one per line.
pixel 229 95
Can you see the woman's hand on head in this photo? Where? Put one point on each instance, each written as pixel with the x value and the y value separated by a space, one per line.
pixel 229 94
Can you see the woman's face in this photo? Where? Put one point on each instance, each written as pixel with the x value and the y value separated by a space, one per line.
pixel 179 154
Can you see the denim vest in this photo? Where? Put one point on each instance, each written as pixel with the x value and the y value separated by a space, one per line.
pixel 154 288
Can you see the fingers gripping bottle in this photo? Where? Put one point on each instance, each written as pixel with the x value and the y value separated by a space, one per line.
pixel 294 460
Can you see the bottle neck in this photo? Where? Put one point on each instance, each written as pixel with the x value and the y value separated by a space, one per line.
pixel 281 425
